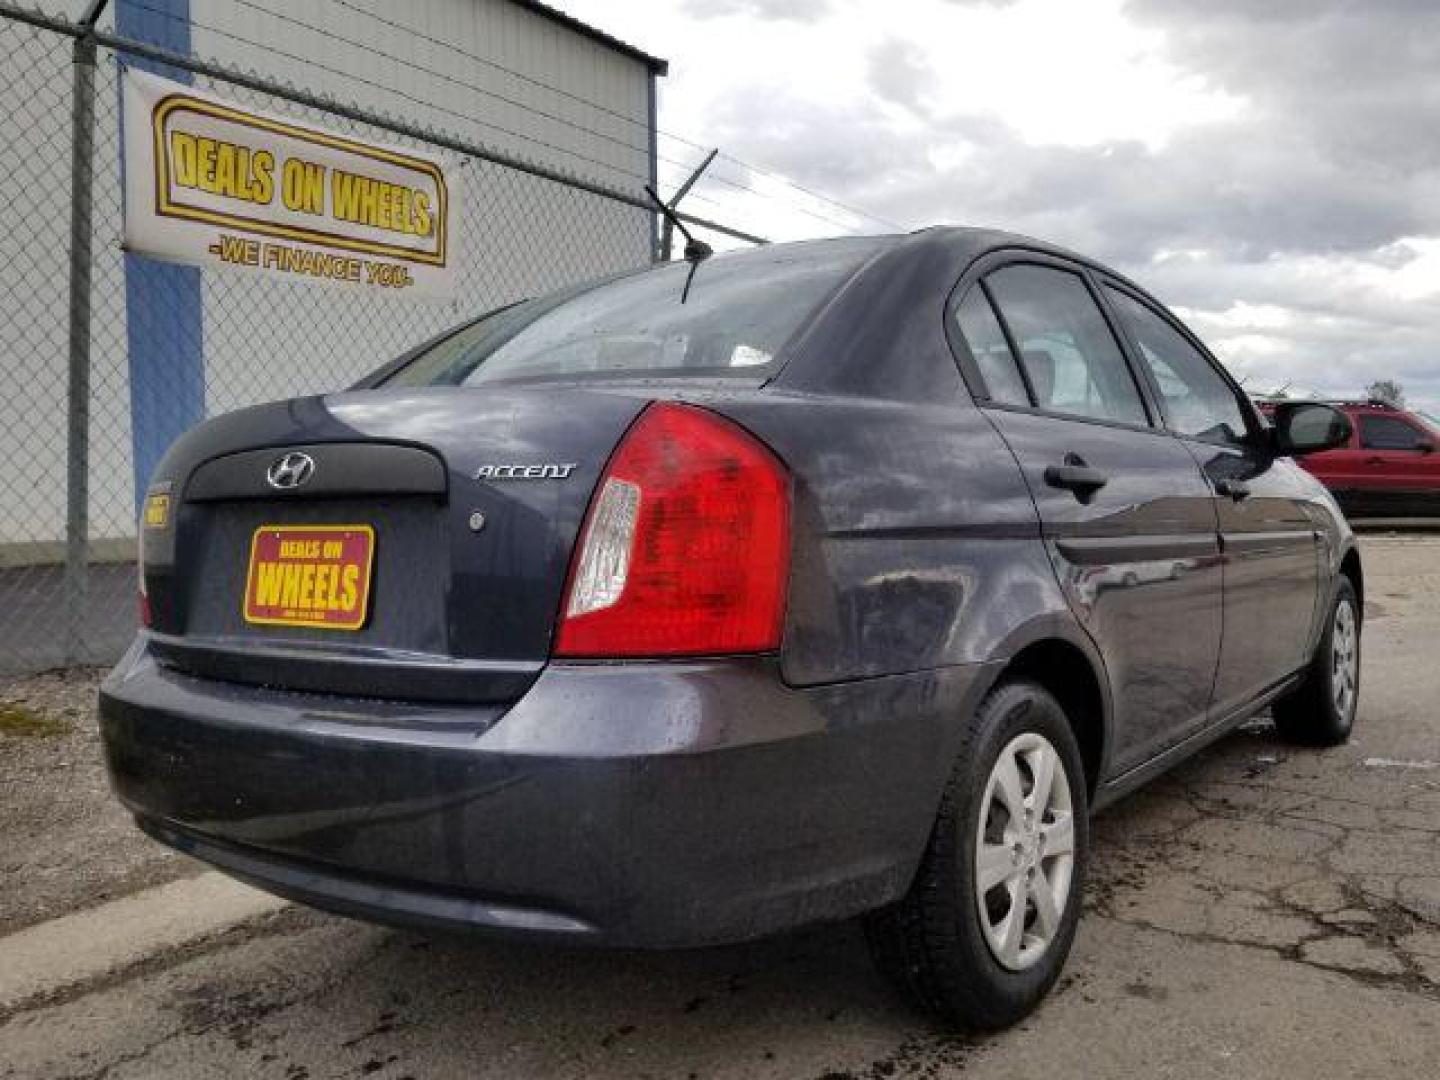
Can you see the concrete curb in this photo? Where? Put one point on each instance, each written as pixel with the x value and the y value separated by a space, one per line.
pixel 77 948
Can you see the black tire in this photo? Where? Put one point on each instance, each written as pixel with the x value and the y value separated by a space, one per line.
pixel 931 943
pixel 1312 714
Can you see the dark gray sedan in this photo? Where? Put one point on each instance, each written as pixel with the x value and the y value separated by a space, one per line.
pixel 821 580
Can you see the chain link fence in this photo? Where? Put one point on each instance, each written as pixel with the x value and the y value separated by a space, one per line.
pixel 85 396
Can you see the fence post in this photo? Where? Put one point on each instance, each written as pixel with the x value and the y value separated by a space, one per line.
pixel 77 455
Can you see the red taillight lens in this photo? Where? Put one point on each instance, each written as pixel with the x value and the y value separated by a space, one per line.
pixel 686 548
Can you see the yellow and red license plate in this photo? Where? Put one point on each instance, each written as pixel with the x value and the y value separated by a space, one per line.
pixel 310 575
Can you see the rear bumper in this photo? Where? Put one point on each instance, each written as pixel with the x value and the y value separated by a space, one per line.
pixel 657 804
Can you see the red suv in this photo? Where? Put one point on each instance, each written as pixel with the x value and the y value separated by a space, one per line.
pixel 1388 468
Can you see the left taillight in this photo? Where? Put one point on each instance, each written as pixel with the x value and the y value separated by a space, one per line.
pixel 685 550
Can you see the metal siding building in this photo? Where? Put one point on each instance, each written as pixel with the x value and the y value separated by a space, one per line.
pixel 516 76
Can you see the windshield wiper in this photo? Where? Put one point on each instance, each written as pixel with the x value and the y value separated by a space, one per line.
pixel 696 251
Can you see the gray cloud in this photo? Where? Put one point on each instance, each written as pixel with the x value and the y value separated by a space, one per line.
pixel 899 72
pixel 1333 159
pixel 1119 200
pixel 1359 82
pixel 1350 91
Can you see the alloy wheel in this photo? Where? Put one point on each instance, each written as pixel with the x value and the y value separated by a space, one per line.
pixel 1024 851
pixel 1344 658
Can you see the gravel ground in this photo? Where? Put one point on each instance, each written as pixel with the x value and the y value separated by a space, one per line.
pixel 1263 911
pixel 66 841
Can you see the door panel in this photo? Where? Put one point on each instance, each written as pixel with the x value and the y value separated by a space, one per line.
pixel 1270 556
pixel 1139 561
pixel 1128 520
pixel 1267 538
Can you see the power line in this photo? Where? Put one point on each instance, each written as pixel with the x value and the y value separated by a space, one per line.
pixel 367 47
pixel 813 194
pixel 550 87
pixel 364 46
pixel 717 178
pixel 379 86
pixel 467 118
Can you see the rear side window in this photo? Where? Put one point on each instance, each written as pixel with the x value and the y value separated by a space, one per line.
pixel 1071 358
pixel 981 329
pixel 728 315
pixel 1197 401
pixel 1388 433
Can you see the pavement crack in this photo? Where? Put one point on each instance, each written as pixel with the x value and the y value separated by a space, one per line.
pixel 1409 980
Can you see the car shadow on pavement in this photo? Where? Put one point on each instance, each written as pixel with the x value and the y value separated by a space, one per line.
pixel 385 997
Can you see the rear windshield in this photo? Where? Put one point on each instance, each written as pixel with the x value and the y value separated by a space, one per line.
pixel 740 310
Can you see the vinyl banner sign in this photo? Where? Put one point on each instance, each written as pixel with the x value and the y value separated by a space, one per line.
pixel 211 183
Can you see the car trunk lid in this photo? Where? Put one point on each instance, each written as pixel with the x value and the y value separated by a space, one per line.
pixel 472 500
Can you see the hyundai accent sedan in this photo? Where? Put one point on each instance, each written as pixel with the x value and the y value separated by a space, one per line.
pixel 823 580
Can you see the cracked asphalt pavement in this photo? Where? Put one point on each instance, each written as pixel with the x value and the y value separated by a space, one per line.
pixel 1263 911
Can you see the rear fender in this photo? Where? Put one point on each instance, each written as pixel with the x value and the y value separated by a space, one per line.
pixel 916 543
pixel 1064 629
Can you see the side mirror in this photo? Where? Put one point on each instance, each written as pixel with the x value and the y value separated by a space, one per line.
pixel 1307 427
pixel 1425 446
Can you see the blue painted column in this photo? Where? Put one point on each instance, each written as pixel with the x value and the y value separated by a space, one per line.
pixel 163 319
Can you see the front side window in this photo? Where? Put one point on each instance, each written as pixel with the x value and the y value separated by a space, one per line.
pixel 1198 403
pixel 1071 358
pixel 737 313
pixel 1389 433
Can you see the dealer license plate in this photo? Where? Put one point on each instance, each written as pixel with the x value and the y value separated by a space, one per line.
pixel 310 575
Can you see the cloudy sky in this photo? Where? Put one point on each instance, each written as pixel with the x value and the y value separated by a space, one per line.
pixel 1270 168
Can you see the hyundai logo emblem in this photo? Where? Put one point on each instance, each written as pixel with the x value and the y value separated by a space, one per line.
pixel 290 471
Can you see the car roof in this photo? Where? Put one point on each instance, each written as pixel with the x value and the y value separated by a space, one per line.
pixel 958 239
pixel 958 244
pixel 875 337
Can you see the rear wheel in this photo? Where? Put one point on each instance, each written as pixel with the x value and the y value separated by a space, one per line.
pixel 985 928
pixel 1321 710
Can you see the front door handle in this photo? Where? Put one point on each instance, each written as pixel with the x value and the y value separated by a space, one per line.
pixel 1375 459
pixel 1076 477
pixel 1236 489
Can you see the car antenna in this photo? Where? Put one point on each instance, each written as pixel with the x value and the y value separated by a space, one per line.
pixel 696 251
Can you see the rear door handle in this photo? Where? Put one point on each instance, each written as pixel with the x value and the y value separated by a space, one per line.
pixel 1236 489
pixel 1077 477
pixel 1374 459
